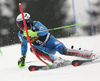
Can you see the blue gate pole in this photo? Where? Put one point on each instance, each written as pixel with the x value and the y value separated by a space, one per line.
pixel 91 22
pixel 74 17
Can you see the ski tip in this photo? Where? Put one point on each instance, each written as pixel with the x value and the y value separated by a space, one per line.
pixel 76 64
pixel 32 69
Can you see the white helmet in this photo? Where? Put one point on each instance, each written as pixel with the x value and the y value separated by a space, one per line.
pixel 19 20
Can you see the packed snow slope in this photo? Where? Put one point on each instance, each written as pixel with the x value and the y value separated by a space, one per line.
pixel 9 70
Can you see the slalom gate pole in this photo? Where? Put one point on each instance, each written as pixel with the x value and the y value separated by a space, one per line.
pixel 21 10
pixel 74 18
pixel 91 21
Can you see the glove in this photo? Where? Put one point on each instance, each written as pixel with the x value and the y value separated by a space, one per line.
pixel 31 33
pixel 21 61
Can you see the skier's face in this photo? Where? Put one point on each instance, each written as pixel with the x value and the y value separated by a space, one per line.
pixel 21 26
pixel 23 29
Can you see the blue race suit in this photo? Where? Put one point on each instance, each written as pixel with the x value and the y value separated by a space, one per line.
pixel 44 41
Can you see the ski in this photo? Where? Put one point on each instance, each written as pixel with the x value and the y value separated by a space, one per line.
pixel 84 62
pixel 64 64
pixel 74 63
pixel 80 62
pixel 35 68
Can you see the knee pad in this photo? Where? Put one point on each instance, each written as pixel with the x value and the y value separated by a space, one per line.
pixel 60 48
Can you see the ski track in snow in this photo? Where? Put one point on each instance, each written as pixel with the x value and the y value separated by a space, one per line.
pixel 9 70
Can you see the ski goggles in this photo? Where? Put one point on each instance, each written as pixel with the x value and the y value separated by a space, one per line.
pixel 20 24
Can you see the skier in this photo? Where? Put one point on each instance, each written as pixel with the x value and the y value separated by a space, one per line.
pixel 44 43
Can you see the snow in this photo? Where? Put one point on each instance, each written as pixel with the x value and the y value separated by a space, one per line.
pixel 81 8
pixel 9 70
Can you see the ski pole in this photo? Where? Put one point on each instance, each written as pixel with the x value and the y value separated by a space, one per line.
pixel 33 61
pixel 35 33
pixel 0 51
pixel 63 27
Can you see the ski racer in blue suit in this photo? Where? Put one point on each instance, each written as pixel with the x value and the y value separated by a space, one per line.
pixel 44 43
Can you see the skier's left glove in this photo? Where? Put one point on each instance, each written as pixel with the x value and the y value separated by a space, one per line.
pixel 31 33
pixel 21 61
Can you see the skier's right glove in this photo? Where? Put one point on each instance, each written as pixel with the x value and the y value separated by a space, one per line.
pixel 21 61
pixel 31 33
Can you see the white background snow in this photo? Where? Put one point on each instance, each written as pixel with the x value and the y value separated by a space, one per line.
pixel 9 70
pixel 81 6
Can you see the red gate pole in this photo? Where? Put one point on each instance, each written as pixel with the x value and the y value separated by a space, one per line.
pixel 21 10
